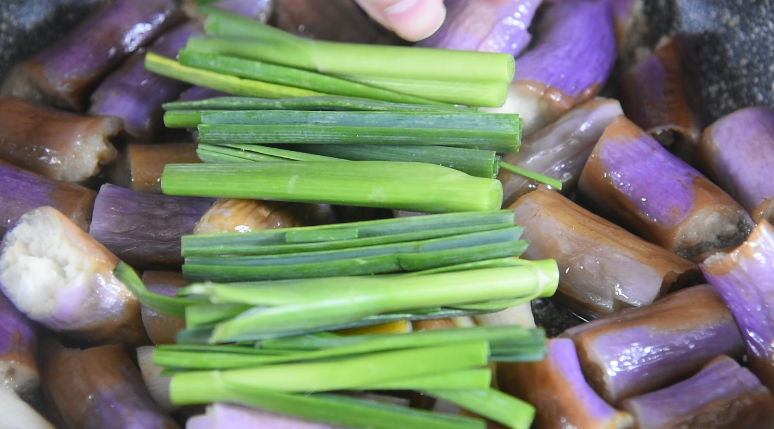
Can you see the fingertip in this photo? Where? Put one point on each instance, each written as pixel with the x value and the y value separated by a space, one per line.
pixel 415 20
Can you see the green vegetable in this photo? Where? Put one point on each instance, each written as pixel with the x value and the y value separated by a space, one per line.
pixel 230 84
pixel 399 185
pixel 492 404
pixel 175 307
pixel 331 102
pixel 292 77
pixel 557 184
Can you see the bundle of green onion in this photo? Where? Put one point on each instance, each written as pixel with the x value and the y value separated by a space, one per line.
pixel 242 57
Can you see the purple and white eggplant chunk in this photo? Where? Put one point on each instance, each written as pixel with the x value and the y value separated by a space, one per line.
pixel 559 150
pixel 737 153
pixel 639 350
pixel 744 278
pixel 557 389
pixel 723 395
pixel 230 416
pixel 61 277
pixel 602 267
pixel 569 64
pixel 64 74
pixel 18 350
pixel 638 184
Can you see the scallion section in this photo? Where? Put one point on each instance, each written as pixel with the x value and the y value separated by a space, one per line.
pixel 399 185
pixel 307 103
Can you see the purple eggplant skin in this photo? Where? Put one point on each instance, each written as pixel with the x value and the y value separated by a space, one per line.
pixel 745 280
pixel 222 415
pixel 640 350
pixel 23 190
pixel 737 153
pixel 18 350
pixel 98 388
pixel 485 25
pixel 135 95
pixel 64 74
pixel 657 95
pixel 559 150
pixel 161 329
pixel 144 230
pixel 574 54
pixel 637 183
pixel 259 10
pixel 557 389
pixel 57 145
pixel 196 93
pixel 602 267
pixel 723 395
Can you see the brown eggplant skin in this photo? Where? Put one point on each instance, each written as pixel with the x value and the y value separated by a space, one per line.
pixel 161 329
pixel 637 351
pixel 22 191
pixel 237 215
pixel 139 166
pixel 603 268
pixel 98 388
pixel 56 145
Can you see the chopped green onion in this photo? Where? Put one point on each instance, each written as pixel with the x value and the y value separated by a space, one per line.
pixel 330 102
pixel 276 46
pixel 399 185
pixel 492 404
pixel 169 306
pixel 500 141
pixel 230 84
pixel 292 77
pixel 253 153
pixel 550 181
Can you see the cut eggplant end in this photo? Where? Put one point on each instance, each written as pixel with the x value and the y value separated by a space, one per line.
pixel 157 384
pixel 59 276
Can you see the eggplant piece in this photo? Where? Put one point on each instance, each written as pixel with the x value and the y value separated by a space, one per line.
pixel 640 350
pixel 24 190
pixel 657 94
pixel 157 384
pixel 723 395
pixel 569 64
pixel 557 389
pixel 602 267
pixel 485 25
pixel 18 351
pixel 161 328
pixel 230 416
pixel 17 414
pixel 135 95
pixel 334 20
pixel 56 145
pixel 139 166
pixel 144 230
pixel 638 184
pixel 61 277
pixel 195 93
pixel 559 150
pixel 745 280
pixel 98 388
pixel 64 74
pixel 235 215
pixel 520 315
pixel 432 324
pixel 737 153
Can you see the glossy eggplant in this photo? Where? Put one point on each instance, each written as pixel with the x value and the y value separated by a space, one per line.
pixel 568 65
pixel 640 350
pixel 235 215
pixel 559 150
pixel 723 395
pixel 557 389
pixel 135 95
pixel 658 95
pixel 18 350
pixel 638 184
pixel 139 166
pixel 744 278
pixel 485 25
pixel 24 190
pixel 737 153
pixel 56 145
pixel 64 74
pixel 161 328
pixel 144 230
pixel 602 267
pixel 98 388
pixel 61 277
